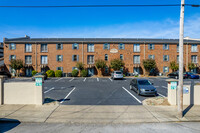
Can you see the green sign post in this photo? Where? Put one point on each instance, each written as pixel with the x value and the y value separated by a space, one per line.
pixel 38 81
pixel 173 85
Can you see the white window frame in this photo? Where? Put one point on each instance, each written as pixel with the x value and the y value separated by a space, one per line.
pixel 44 47
pixel 90 47
pixel 136 47
pixel 28 59
pixel 194 60
pixel 136 59
pixel 28 47
pixel 194 48
pixel 44 62
pixel 90 59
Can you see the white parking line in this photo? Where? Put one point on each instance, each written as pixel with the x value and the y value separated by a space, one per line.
pixel 84 80
pixel 161 95
pixel 110 79
pixel 98 79
pixel 68 95
pixel 132 95
pixel 71 79
pixel 58 79
pixel 49 90
pixel 164 86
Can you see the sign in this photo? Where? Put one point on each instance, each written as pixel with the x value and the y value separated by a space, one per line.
pixel 113 51
pixel 38 81
pixel 173 85
pixel 185 90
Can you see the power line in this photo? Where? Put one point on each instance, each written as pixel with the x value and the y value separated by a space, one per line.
pixel 70 6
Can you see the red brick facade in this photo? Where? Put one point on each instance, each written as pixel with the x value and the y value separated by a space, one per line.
pixel 99 53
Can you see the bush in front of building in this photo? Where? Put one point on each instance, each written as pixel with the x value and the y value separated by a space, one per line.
pixel 58 73
pixel 34 72
pixel 75 73
pixel 17 65
pixel 84 73
pixel 117 64
pixel 191 66
pixel 50 73
pixel 100 65
pixel 149 64
pixel 174 66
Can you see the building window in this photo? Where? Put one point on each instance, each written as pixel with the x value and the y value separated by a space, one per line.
pixel 74 68
pixel 106 69
pixel 28 47
pixel 150 46
pixel 75 46
pixel 12 57
pixel 59 68
pixel 177 47
pixel 12 46
pixel 44 48
pixel 121 57
pixel 194 48
pixel 75 57
pixel 59 58
pixel 177 58
pixel 12 70
pixel 165 46
pixel 44 59
pixel 106 46
pixel 165 69
pixel 165 57
pixel 136 59
pixel 106 57
pixel 136 47
pixel 151 57
pixel 194 59
pixel 59 46
pixel 28 59
pixel 90 59
pixel 121 46
pixel 90 47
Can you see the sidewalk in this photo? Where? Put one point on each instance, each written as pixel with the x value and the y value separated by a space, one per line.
pixel 95 114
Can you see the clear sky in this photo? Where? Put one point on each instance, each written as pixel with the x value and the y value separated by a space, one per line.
pixel 129 22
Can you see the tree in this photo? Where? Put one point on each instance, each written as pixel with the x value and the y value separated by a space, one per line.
pixel 17 65
pixel 191 66
pixel 117 64
pixel 174 66
pixel 149 64
pixel 100 65
pixel 80 67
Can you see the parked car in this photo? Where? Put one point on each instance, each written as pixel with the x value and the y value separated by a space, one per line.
pixel 117 75
pixel 143 87
pixel 191 75
pixel 38 74
pixel 175 75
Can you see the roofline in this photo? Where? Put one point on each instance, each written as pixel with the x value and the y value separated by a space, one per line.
pixel 27 39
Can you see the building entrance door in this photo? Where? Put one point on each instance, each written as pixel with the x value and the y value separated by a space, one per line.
pixel 28 72
pixel 90 71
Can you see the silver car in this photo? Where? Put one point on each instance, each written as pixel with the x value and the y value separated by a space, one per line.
pixel 117 75
pixel 143 87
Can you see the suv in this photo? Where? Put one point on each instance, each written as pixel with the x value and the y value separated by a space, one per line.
pixel 117 75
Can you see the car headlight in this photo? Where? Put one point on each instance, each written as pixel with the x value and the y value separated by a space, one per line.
pixel 142 89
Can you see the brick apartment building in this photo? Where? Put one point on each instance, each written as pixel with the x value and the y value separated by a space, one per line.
pixel 41 54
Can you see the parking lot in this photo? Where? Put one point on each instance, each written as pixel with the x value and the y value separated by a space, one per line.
pixel 97 91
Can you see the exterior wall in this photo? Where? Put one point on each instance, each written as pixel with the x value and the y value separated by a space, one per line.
pixel 99 53
pixel 22 93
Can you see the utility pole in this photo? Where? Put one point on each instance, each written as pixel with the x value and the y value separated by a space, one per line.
pixel 180 82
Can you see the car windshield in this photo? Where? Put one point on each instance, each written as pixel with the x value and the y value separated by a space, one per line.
pixel 118 72
pixel 191 73
pixel 144 82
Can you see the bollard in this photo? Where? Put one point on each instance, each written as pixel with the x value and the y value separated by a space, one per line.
pixel 39 92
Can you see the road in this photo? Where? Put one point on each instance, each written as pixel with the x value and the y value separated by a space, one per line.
pixel 188 127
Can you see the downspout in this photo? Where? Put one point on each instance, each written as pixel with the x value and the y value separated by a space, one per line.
pixel 187 57
pixel 144 57
pixel 82 53
pixel 36 56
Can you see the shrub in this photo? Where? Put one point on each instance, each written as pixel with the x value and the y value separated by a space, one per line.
pixel 58 73
pixel 75 73
pixel 149 64
pixel 116 64
pixel 174 66
pixel 84 73
pixel 34 72
pixel 50 73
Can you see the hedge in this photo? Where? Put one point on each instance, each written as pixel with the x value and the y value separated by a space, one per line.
pixel 75 73
pixel 58 73
pixel 50 73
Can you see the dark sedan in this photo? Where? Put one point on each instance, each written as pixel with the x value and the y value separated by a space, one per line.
pixel 191 75
pixel 175 75
pixel 38 74
pixel 143 87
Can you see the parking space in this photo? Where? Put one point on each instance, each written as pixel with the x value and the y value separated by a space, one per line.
pixel 97 91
